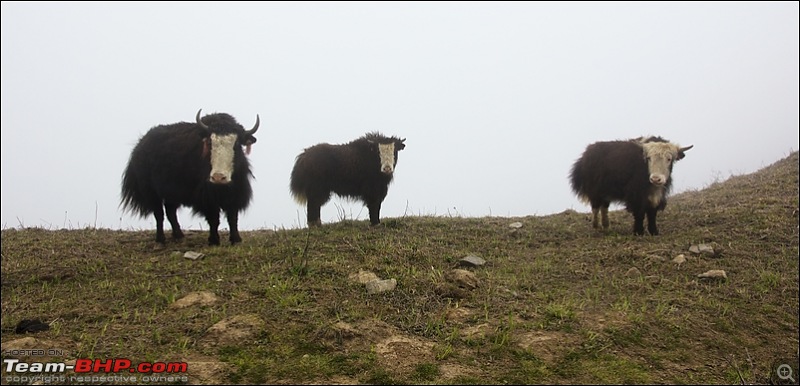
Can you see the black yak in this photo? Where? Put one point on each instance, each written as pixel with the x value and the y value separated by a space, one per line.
pixel 636 172
pixel 361 169
pixel 200 165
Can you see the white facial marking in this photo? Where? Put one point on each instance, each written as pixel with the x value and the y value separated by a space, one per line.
pixel 386 151
pixel 659 156
pixel 222 150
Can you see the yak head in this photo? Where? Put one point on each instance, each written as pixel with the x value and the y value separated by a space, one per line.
pixel 223 138
pixel 660 156
pixel 387 149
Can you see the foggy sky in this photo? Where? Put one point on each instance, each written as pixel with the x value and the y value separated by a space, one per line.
pixel 496 100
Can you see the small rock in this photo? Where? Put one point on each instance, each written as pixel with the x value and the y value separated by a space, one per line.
pixel 515 225
pixel 201 298
pixel 376 286
pixel 472 261
pixel 713 274
pixel 633 272
pixel 363 277
pixel 192 255
pixel 463 278
pixel 702 249
pixel 680 259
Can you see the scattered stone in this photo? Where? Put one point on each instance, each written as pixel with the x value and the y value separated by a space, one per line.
pixel 363 277
pixel 714 274
pixel 680 259
pixel 515 225
pixel 472 261
pixel 234 330
pixel 702 249
pixel 376 286
pixel 201 298
pixel 463 278
pixel 192 255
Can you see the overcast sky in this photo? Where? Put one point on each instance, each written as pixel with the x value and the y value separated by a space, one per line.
pixel 496 100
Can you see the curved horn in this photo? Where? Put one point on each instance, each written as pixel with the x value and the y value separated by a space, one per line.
pixel 255 128
pixel 681 151
pixel 199 121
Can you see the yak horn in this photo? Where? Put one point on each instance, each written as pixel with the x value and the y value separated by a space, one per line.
pixel 199 121
pixel 683 149
pixel 255 128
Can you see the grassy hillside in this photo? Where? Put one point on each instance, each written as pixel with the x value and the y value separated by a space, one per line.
pixel 556 301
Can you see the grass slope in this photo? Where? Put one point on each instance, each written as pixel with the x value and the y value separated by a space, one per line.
pixel 557 302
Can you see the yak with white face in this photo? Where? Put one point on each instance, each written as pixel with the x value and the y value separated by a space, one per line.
pixel 637 172
pixel 200 165
pixel 361 169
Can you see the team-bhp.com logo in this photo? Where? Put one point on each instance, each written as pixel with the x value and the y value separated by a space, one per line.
pixel 121 368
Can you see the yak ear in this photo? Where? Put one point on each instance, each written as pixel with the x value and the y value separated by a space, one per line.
pixel 400 145
pixel 206 147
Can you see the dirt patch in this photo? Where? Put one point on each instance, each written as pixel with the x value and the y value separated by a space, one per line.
pixel 235 330
pixel 207 371
pixel 202 298
pixel 402 353
pixel 546 345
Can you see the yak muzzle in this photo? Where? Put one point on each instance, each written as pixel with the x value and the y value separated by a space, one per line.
pixel 658 179
pixel 219 178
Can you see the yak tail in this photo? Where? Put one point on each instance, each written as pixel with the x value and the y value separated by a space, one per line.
pixel 298 193
pixel 132 200
pixel 300 198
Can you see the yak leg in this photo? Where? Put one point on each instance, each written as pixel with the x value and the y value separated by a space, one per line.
pixel 374 212
pixel 600 208
pixel 172 216
pixel 159 213
pixel 314 205
pixel 638 222
pixel 213 227
pixel 233 224
pixel 651 221
pixel 313 217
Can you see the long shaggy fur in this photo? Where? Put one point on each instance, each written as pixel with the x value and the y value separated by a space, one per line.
pixel 617 171
pixel 351 170
pixel 169 168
